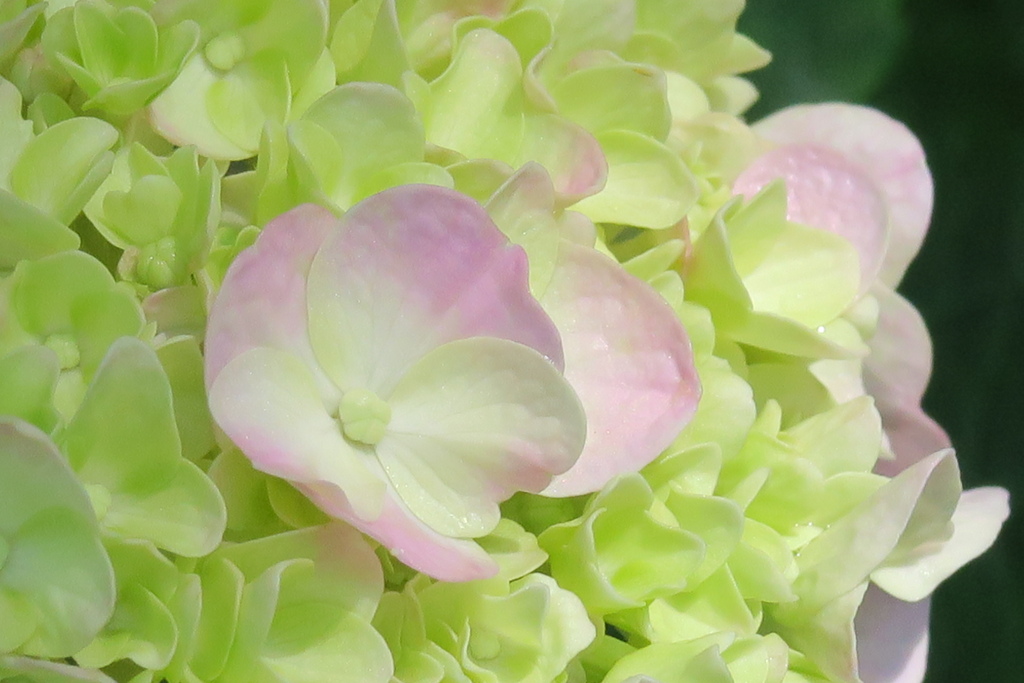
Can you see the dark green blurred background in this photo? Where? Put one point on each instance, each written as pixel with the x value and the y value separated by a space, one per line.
pixel 953 71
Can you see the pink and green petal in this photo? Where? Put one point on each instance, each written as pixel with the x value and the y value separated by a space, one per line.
pixel 407 270
pixel 896 373
pixel 884 150
pixel 267 401
pixel 262 302
pixel 629 360
pixel 572 155
pixel 825 190
pixel 407 538
pixel 523 208
pixel 474 421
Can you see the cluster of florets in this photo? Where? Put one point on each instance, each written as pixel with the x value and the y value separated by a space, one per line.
pixel 455 341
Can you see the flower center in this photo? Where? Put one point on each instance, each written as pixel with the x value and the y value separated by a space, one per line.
pixel 364 416
pixel 158 263
pixel 66 349
pixel 484 646
pixel 225 50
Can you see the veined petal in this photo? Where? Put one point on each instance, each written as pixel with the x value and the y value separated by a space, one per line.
pixel 409 269
pixel 629 360
pixel 885 150
pixel 409 539
pixel 267 402
pixel 896 373
pixel 262 302
pixel 473 422
pixel 892 638
pixel 825 190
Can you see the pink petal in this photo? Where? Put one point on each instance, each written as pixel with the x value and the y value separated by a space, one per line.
pixel 412 268
pixel 267 402
pixel 826 191
pixel 629 360
pixel 892 638
pixel 884 150
pixel 896 373
pixel 262 301
pixel 408 539
pixel 572 155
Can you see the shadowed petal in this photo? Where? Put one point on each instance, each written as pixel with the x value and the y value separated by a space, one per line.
pixel 629 360
pixel 412 268
pixel 892 638
pixel 884 150
pixel 896 373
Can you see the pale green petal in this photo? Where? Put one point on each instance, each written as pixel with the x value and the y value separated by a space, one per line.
pixel 142 627
pixel 976 522
pixel 648 185
pixel 693 661
pixel 715 606
pixel 725 413
pixel 29 378
pixel 776 259
pixel 514 549
pixel 475 107
pixel 524 209
pixel 56 576
pixel 620 96
pixel 913 508
pixel 367 45
pixel 81 145
pixel 27 233
pixel 150 491
pixel 624 551
pixel 844 439
pixel 372 127
pixel 716 521
pixel 182 360
pixel 473 422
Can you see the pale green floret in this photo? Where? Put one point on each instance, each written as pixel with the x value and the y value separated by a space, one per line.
pixel 225 51
pixel 5 550
pixel 66 348
pixel 364 416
